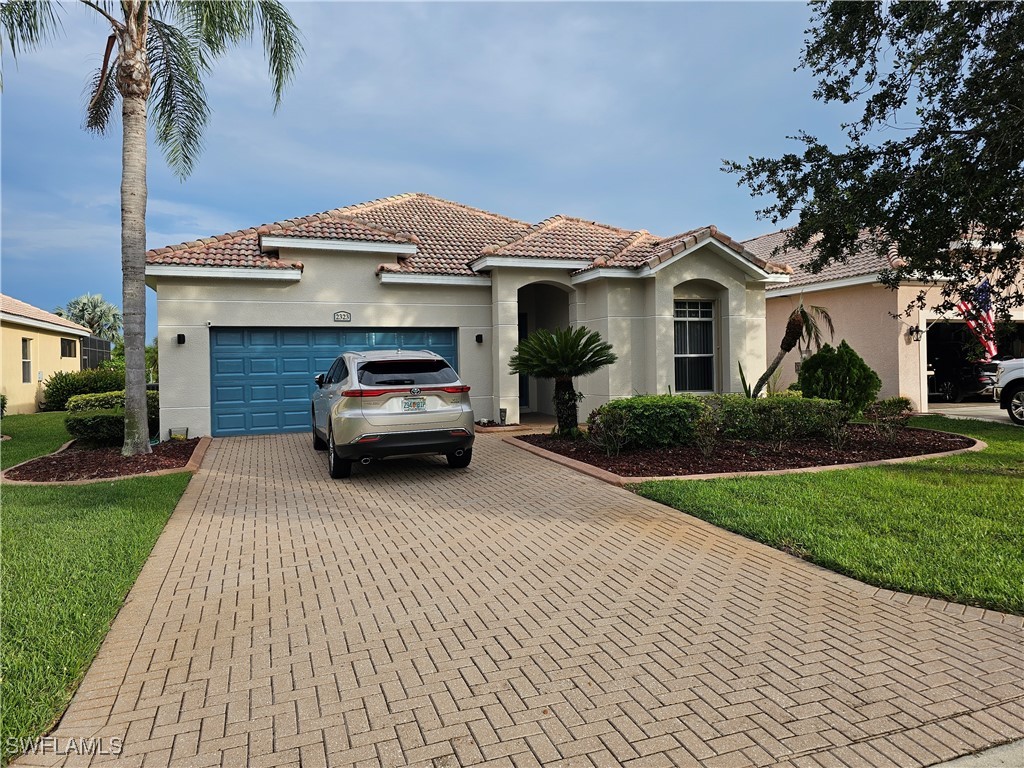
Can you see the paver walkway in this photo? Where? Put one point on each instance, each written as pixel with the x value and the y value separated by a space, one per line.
pixel 516 613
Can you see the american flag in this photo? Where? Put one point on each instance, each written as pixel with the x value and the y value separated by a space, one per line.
pixel 978 315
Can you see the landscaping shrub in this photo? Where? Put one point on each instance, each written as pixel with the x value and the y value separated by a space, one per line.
pixel 607 428
pixel 108 400
pixel 889 416
pixel 100 426
pixel 3 405
pixel 64 384
pixel 778 418
pixel 839 374
pixel 647 421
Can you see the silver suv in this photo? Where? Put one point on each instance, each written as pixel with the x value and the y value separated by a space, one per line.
pixel 370 405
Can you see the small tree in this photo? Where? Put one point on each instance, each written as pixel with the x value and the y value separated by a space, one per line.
pixel 840 374
pixel 562 355
pixel 95 313
pixel 802 330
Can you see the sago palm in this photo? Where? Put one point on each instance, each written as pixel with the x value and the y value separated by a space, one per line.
pixel 562 355
pixel 95 313
pixel 156 55
pixel 802 329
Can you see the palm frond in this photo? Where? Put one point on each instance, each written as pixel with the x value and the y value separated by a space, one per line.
pixel 102 94
pixel 26 24
pixel 563 354
pixel 178 98
pixel 215 26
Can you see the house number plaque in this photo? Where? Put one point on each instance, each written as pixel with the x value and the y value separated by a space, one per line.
pixel 343 317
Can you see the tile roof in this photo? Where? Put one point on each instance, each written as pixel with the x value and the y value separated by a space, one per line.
pixel 448 237
pixel 12 306
pixel 865 262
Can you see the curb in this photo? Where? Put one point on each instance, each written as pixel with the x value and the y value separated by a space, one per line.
pixel 614 479
pixel 193 464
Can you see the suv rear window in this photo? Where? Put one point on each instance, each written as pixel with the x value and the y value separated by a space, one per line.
pixel 406 372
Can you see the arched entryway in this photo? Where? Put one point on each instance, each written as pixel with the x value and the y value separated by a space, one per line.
pixel 541 305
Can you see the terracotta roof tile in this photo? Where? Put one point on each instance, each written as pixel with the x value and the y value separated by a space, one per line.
pixel 448 237
pixel 866 262
pixel 12 306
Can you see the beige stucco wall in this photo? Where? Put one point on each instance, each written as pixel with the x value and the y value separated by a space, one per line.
pixel 635 315
pixel 46 360
pixel 330 282
pixel 862 317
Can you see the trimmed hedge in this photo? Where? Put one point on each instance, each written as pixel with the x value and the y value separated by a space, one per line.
pixel 66 384
pixel 114 401
pixel 100 426
pixel 650 421
pixel 658 421
pixel 105 400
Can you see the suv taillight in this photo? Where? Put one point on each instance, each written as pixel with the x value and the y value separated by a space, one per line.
pixel 368 392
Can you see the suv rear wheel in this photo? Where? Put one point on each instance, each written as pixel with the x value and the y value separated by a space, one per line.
pixel 460 462
pixel 337 467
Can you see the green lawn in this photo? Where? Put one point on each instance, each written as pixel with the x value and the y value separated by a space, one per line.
pixel 950 528
pixel 69 556
pixel 32 435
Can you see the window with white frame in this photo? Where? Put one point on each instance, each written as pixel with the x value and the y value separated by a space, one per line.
pixel 695 346
pixel 26 361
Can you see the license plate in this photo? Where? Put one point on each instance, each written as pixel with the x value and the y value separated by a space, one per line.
pixel 414 404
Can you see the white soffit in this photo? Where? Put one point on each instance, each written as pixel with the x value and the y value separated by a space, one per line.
pixel 491 262
pixel 230 273
pixel 415 278
pixel 271 242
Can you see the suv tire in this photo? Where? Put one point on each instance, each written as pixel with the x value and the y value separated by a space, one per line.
pixel 460 462
pixel 337 467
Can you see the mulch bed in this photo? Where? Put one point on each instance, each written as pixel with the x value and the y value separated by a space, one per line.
pixel 80 463
pixel 863 444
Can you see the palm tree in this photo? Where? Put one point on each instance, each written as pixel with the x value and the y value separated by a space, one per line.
pixel 95 313
pixel 802 330
pixel 562 355
pixel 157 53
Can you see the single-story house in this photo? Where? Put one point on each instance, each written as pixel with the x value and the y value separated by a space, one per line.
pixel 36 344
pixel 906 351
pixel 246 319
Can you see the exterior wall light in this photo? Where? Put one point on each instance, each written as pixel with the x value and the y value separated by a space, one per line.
pixel 915 333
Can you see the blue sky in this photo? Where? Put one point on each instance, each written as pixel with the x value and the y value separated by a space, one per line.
pixel 616 112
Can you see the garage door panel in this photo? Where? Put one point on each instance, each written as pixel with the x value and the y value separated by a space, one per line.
pixel 258 338
pixel 264 393
pixel 258 365
pixel 295 393
pixel 262 378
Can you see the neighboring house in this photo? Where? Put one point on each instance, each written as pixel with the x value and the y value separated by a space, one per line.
pixel 872 319
pixel 36 344
pixel 247 319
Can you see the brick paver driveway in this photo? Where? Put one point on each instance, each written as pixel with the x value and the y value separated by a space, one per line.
pixel 516 613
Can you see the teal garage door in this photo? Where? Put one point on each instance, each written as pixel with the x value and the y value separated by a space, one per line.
pixel 262 378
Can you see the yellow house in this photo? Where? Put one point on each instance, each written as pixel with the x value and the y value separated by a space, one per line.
pixel 35 344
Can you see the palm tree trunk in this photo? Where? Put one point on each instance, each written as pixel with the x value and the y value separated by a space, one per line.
pixel 133 81
pixel 566 409
pixel 766 376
